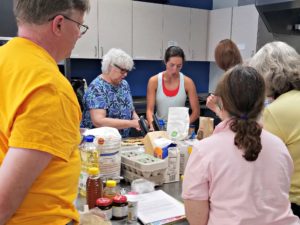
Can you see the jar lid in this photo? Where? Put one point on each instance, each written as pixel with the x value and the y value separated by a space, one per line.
pixel 120 199
pixel 103 202
pixel 111 183
pixel 93 171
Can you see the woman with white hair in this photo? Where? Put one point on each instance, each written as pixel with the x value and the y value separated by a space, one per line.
pixel 279 64
pixel 108 100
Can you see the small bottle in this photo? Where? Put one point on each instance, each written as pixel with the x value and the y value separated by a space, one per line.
pixel 89 155
pixel 190 149
pixel 110 190
pixel 162 124
pixel 132 208
pixel 93 187
pixel 105 204
pixel 120 207
pixel 191 129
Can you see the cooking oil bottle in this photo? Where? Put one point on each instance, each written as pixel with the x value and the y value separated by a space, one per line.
pixel 89 159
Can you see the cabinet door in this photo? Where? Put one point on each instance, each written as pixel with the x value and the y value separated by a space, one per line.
pixel 219 27
pixel 244 29
pixel 198 44
pixel 176 28
pixel 115 25
pixel 147 31
pixel 87 46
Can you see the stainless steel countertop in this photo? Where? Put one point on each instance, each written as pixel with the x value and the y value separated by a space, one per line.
pixel 173 189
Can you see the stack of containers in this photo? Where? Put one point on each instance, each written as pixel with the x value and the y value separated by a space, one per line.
pixel 108 141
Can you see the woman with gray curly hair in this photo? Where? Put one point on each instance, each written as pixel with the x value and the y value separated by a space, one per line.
pixel 279 64
pixel 108 100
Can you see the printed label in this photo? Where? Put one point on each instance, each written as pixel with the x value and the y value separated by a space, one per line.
pixel 82 180
pixel 120 211
pixel 107 213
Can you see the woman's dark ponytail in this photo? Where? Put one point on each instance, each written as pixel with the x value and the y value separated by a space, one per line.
pixel 247 137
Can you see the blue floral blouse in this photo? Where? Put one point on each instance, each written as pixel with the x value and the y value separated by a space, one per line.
pixel 116 100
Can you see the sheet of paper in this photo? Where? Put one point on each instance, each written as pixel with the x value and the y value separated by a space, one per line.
pixel 158 205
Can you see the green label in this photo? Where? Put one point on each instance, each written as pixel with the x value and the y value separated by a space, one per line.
pixel 174 134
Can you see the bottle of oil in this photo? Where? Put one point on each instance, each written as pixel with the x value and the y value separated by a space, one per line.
pixel 89 158
pixel 93 187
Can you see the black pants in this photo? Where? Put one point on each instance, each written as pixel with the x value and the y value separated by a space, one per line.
pixel 296 209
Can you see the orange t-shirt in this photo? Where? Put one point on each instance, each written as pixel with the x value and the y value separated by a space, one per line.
pixel 40 111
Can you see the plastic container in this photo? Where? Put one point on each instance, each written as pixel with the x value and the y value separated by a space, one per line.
pixel 105 204
pixel 89 155
pixel 110 190
pixel 120 207
pixel 137 165
pixel 132 207
pixel 94 187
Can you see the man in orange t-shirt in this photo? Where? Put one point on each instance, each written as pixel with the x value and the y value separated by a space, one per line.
pixel 40 115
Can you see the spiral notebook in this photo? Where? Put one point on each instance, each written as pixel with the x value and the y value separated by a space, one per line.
pixel 156 207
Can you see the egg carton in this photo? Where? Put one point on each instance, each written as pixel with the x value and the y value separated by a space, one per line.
pixel 143 164
pixel 130 176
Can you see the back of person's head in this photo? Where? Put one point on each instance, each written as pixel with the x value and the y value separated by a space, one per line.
pixel 40 11
pixel 279 64
pixel 242 91
pixel 227 54
pixel 174 51
pixel 116 57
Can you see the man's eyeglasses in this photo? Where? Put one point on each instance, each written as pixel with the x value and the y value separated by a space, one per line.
pixel 82 27
pixel 122 69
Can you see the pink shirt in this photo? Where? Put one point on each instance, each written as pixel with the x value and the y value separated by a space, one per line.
pixel 241 192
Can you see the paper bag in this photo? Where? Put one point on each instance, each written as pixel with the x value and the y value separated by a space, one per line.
pixel 206 127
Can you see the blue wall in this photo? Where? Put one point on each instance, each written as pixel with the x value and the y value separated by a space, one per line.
pixel 200 4
pixel 144 69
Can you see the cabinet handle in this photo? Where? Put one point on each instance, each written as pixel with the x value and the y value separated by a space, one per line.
pixel 95 51
pixel 101 51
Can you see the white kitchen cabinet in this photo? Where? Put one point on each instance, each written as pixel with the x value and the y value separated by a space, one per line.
pixel 147 31
pixel 115 25
pixel 244 29
pixel 87 46
pixel 198 32
pixel 219 27
pixel 176 28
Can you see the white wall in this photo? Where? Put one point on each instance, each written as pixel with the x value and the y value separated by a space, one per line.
pixel 214 71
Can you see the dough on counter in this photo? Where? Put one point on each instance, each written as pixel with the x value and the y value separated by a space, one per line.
pixel 90 219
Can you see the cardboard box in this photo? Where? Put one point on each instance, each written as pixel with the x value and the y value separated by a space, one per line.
pixel 173 159
pixel 149 140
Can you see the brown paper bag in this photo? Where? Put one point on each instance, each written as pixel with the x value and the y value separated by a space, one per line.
pixel 206 127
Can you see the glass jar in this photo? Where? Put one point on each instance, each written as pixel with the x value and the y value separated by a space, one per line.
pixel 120 207
pixel 105 204
pixel 110 190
